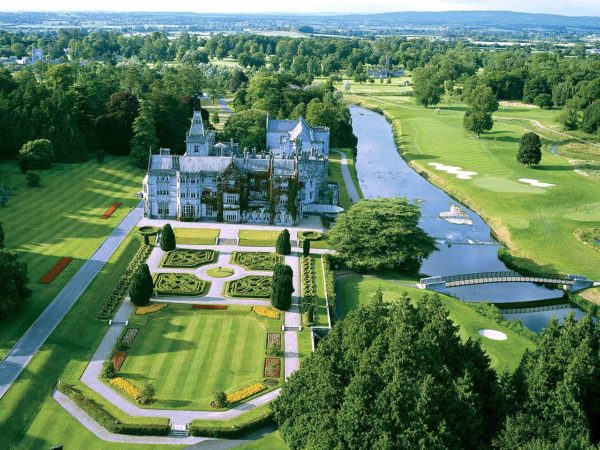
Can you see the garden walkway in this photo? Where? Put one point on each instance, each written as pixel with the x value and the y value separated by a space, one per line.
pixel 24 350
pixel 348 181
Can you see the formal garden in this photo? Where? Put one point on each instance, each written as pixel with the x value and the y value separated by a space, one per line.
pixel 187 353
pixel 185 284
pixel 250 286
pixel 188 259
pixel 256 260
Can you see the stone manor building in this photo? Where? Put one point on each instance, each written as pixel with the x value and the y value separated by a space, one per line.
pixel 221 182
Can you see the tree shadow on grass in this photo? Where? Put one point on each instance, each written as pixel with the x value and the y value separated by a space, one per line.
pixel 554 168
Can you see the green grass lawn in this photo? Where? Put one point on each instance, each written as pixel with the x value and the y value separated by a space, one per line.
pixel 270 441
pixel 537 224
pixel 196 236
pixel 335 174
pixel 190 354
pixel 321 302
pixel 355 290
pixel 29 417
pixel 258 238
pixel 61 218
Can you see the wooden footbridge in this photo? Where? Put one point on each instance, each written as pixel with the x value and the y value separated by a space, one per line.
pixel 571 282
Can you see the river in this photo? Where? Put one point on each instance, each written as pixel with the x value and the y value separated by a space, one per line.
pixel 461 248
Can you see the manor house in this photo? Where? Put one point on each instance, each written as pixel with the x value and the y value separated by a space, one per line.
pixel 219 181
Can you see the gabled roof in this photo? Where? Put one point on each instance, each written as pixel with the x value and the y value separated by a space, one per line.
pixel 197 127
pixel 302 131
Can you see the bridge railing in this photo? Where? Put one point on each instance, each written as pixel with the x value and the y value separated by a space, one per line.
pixel 500 274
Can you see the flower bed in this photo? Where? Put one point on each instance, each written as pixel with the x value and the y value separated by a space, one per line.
pixel 209 306
pixel 109 212
pixel 243 394
pixel 112 302
pixel 179 284
pixel 251 286
pixel 274 338
pixel 188 259
pixel 129 337
pixel 255 260
pixel 149 309
pixel 266 311
pixel 56 270
pixel 118 358
pixel 272 368
pixel 125 387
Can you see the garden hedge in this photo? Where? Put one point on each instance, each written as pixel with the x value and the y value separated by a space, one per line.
pixel 107 420
pixel 228 431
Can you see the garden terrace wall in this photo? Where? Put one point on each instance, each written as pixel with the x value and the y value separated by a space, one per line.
pixel 56 270
pixel 110 422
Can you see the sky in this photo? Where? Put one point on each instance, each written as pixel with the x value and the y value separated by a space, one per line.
pixel 565 7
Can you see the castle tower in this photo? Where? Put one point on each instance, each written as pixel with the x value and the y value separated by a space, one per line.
pixel 196 139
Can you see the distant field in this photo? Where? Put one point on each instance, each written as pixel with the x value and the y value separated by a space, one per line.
pixel 61 218
pixel 536 223
pixel 355 290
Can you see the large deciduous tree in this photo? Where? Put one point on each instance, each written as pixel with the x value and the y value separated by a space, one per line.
pixel 477 121
pixel 428 85
pixel 115 127
pixel 392 376
pixel 530 149
pixel 482 103
pixel 249 128
pixel 381 234
pixel 557 390
pixel 13 282
pixel 282 287
pixel 141 286
pixel 144 140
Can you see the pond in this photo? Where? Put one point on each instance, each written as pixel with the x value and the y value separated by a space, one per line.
pixel 462 248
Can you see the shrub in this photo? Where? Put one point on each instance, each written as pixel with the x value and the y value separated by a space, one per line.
pixel 142 286
pixel 32 179
pixel 283 245
pixel 220 399
pixel 251 286
pixel 37 154
pixel 108 369
pixel 306 247
pixel 147 395
pixel 530 149
pixel 179 284
pixel 188 258
pixel 282 287
pixel 167 238
pixel 255 260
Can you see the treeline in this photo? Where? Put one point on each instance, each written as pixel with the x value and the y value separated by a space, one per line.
pixel 98 108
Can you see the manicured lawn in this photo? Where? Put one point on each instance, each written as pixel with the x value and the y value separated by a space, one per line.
pixel 335 174
pixel 270 441
pixel 537 224
pixel 29 417
pixel 189 354
pixel 62 218
pixel 258 238
pixel 219 272
pixel 356 290
pixel 196 236
pixel 321 303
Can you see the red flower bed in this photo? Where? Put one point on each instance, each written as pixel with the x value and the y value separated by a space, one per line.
pixel 118 359
pixel 56 270
pixel 272 367
pixel 209 306
pixel 111 210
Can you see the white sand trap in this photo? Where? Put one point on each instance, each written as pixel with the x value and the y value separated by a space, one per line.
pixel 454 170
pixel 536 183
pixel 494 334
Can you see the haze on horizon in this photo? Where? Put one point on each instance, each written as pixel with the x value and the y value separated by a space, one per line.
pixel 568 7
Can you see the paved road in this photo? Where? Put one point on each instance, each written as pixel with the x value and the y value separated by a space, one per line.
pixel 350 188
pixel 225 107
pixel 24 350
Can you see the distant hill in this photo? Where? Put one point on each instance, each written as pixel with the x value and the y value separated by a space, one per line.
pixel 477 18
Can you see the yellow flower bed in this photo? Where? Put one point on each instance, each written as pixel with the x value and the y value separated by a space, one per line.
pixel 125 387
pixel 242 394
pixel 266 311
pixel 151 308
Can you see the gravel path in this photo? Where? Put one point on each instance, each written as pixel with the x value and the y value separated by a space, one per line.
pixel 24 350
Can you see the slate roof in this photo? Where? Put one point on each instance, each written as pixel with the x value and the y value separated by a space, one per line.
pixel 196 164
pixel 197 127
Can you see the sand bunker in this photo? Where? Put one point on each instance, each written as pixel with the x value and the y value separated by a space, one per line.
pixel 536 183
pixel 494 334
pixel 454 170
